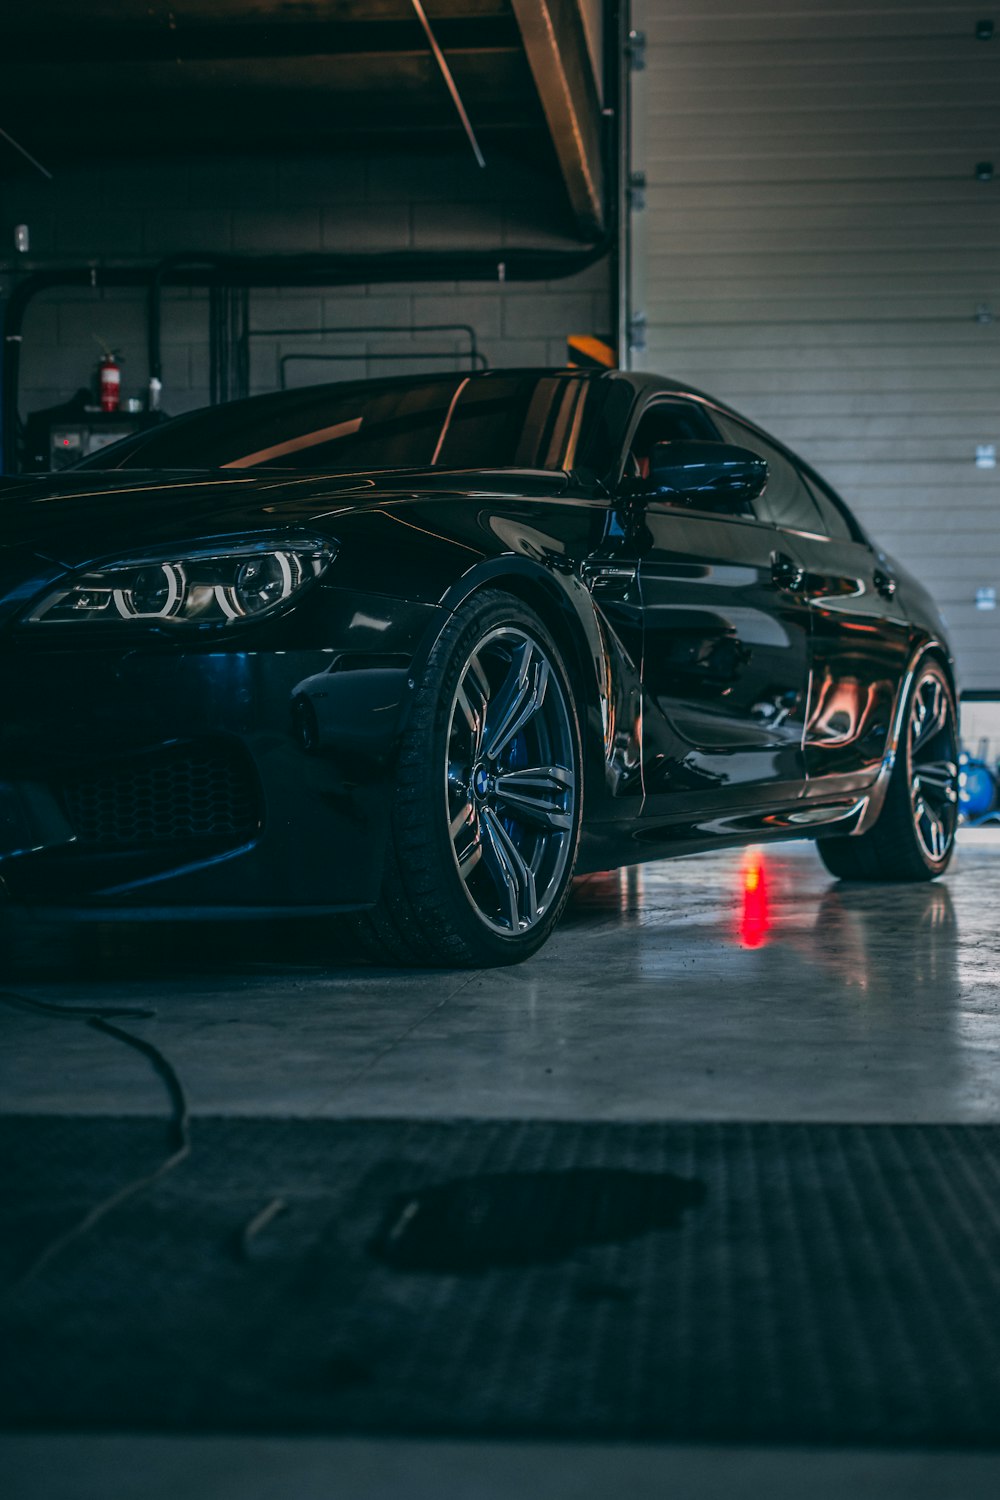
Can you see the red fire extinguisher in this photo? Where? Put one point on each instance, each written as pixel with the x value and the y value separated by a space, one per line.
pixel 111 381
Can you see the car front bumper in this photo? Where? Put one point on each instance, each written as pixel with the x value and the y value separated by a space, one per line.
pixel 205 781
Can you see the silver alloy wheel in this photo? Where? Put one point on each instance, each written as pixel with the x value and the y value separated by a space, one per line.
pixel 933 764
pixel 510 781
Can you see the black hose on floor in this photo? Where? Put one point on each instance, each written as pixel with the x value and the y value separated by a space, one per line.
pixel 180 1122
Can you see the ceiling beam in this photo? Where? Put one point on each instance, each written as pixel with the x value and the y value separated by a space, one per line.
pixel 556 45
pixel 75 42
pixel 247 103
pixel 178 15
pixel 339 83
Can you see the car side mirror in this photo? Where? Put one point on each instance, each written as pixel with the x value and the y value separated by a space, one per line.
pixel 704 476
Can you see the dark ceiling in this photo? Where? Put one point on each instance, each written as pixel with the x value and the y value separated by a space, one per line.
pixel 142 77
pixel 112 76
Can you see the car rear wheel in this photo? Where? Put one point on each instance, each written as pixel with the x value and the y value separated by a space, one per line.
pixel 485 819
pixel 914 836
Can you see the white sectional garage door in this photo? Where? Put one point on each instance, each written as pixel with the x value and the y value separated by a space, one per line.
pixel 817 249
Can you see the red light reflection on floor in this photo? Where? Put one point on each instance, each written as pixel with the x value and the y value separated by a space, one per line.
pixel 754 922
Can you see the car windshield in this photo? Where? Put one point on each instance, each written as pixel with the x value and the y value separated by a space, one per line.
pixel 493 420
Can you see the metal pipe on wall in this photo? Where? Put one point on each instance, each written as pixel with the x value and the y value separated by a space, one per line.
pixel 507 264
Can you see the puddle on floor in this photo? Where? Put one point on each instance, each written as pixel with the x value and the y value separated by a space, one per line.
pixel 527 1218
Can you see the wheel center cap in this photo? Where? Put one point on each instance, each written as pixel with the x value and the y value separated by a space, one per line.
pixel 481 782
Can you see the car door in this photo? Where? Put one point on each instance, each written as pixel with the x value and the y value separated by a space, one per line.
pixel 859 635
pixel 726 645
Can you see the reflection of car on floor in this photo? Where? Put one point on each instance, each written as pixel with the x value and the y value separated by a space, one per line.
pixel 417 649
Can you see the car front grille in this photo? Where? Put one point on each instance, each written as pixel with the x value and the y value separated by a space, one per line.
pixel 169 796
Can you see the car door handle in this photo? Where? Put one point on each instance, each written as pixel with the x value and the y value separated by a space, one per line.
pixel 884 582
pixel 786 573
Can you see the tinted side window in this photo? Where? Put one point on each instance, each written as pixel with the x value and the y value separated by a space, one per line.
pixel 670 422
pixel 323 427
pixel 481 421
pixel 509 420
pixel 667 422
pixel 836 519
pixel 785 499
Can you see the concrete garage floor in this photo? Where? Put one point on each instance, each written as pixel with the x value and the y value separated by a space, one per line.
pixel 727 988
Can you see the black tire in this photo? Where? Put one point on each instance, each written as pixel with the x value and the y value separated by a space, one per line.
pixel 922 795
pixel 429 912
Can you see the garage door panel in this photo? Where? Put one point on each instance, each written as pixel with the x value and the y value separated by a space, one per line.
pixel 693 198
pixel 816 232
pixel 835 391
pixel 680 309
pixel 817 251
pixel 846 132
pixel 917 87
pixel 831 263
pixel 898 57
pixel 826 451
pixel 929 289
pixel 879 427
pixel 856 480
pixel 938 411
pixel 746 21
pixel 839 339
pixel 948 161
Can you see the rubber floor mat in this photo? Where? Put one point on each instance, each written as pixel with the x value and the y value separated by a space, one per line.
pixel 698 1282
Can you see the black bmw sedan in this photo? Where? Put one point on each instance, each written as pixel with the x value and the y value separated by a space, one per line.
pixel 419 649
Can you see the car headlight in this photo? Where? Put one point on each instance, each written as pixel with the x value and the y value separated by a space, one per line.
pixel 220 584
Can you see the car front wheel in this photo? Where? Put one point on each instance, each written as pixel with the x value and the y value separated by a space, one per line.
pixel 485 819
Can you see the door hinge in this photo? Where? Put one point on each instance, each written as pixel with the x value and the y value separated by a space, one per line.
pixel 637 191
pixel 635 51
pixel 637 331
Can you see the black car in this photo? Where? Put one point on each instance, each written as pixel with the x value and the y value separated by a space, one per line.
pixel 419 649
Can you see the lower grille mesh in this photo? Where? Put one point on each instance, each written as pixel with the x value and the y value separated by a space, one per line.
pixel 166 797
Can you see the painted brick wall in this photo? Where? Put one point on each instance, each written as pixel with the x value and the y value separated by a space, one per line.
pixel 119 212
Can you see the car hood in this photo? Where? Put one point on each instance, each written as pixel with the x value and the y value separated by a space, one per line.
pixel 72 519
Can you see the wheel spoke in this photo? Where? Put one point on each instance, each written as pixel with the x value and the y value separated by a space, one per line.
pixel 462 819
pixel 513 879
pixel 473 717
pixel 476 676
pixel 538 794
pixel 519 699
pixel 934 833
pixel 469 856
pixel 935 781
pixel 931 715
